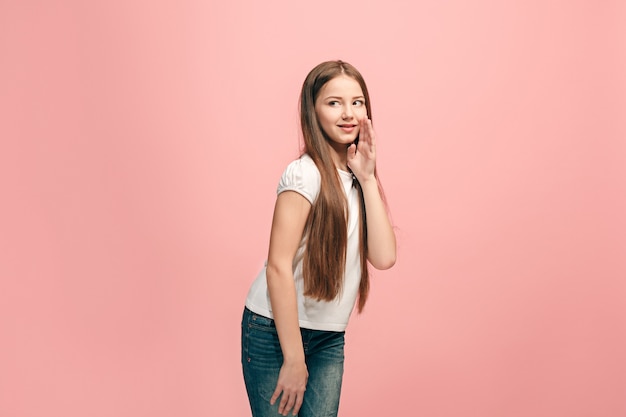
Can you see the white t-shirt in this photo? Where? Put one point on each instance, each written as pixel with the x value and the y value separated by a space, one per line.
pixel 302 176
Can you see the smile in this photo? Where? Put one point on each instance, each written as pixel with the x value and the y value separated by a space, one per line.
pixel 348 128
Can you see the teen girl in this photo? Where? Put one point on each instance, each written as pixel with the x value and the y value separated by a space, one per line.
pixel 330 220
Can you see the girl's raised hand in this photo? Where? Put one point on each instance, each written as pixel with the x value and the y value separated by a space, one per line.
pixel 362 157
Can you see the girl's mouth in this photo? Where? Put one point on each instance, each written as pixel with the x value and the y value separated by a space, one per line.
pixel 348 128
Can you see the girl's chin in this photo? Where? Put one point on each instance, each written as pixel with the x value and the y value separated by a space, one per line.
pixel 341 143
pixel 347 140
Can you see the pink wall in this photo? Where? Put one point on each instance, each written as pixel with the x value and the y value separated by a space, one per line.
pixel 141 146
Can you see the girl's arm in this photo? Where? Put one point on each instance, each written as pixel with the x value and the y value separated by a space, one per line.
pixel 381 240
pixel 290 215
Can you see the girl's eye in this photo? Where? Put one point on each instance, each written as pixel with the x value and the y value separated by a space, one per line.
pixel 333 103
pixel 357 103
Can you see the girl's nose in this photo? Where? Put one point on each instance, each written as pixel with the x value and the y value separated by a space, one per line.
pixel 347 113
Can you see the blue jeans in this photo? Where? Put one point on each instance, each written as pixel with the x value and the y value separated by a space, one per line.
pixel 262 358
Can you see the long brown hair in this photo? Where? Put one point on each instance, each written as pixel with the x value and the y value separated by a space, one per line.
pixel 326 230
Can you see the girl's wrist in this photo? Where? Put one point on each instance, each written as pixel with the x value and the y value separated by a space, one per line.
pixel 294 359
pixel 368 180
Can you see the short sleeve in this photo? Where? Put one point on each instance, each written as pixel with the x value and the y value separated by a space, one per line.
pixel 301 176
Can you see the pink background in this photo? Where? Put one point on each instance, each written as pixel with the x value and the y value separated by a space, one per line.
pixel 142 143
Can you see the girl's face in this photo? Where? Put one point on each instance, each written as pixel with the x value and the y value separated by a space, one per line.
pixel 339 107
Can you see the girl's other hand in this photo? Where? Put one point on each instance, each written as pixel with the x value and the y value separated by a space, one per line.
pixel 292 383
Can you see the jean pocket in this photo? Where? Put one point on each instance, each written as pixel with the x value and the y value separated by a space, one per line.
pixel 256 321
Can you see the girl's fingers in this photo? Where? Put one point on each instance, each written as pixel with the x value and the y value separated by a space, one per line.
pixel 298 404
pixel 371 134
pixel 365 129
pixel 366 137
pixel 288 405
pixel 351 151
pixel 276 394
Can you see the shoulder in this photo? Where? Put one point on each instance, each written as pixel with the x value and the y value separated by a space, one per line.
pixel 302 176
pixel 306 164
